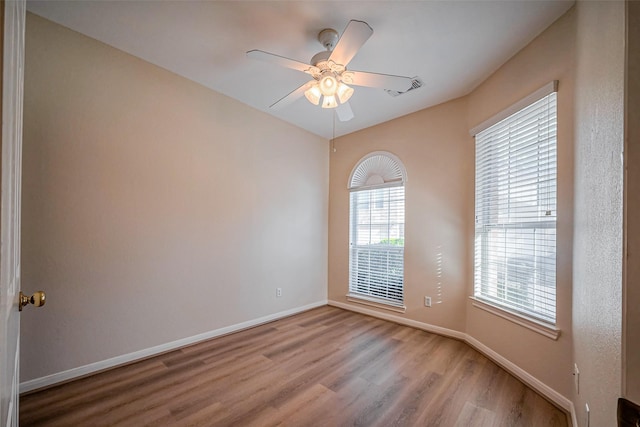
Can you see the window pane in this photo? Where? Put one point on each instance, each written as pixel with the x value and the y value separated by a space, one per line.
pixel 377 243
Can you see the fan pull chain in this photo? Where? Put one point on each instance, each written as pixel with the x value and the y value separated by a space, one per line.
pixel 333 140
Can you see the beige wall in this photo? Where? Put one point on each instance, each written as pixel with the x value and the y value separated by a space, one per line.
pixel 597 263
pixel 631 330
pixel 549 57
pixel 437 152
pixel 155 209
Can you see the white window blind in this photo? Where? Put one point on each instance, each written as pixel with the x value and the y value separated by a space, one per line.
pixel 377 243
pixel 515 226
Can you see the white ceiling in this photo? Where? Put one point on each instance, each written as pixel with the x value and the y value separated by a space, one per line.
pixel 451 45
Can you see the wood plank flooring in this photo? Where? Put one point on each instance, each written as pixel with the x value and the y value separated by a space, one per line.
pixel 324 367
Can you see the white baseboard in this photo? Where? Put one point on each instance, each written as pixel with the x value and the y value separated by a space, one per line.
pixel 522 375
pixel 509 366
pixel 91 368
pixel 401 320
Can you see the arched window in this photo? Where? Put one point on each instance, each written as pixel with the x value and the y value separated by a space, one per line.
pixel 376 229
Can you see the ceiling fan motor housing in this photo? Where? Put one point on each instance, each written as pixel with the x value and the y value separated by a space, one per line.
pixel 320 57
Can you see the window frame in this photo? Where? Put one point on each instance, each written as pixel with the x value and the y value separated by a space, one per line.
pixel 540 323
pixel 379 170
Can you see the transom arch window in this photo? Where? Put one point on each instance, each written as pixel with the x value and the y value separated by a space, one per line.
pixel 376 229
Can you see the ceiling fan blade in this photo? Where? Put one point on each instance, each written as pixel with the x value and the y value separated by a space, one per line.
pixel 352 39
pixel 278 60
pixel 382 81
pixel 344 112
pixel 291 97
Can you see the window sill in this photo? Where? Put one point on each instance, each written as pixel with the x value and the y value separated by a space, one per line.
pixel 374 302
pixel 548 331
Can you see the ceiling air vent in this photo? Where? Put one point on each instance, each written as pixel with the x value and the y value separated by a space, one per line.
pixel 415 84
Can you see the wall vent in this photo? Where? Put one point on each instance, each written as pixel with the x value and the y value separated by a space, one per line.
pixel 415 84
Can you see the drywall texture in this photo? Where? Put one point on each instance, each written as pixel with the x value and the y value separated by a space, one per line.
pixel 155 209
pixel 631 331
pixel 597 262
pixel 548 57
pixel 437 152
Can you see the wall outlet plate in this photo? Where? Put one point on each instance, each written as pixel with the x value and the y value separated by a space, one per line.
pixel 427 301
pixel 278 292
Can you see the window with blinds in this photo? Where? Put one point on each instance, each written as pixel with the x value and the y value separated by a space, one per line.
pixel 376 237
pixel 515 214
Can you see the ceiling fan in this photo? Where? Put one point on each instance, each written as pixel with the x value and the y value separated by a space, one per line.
pixel 331 78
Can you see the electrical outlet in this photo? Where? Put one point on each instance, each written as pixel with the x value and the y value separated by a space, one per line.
pixel 576 377
pixel 586 415
pixel 427 301
pixel 278 292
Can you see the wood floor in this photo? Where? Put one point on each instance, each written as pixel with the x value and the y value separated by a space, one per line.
pixel 324 367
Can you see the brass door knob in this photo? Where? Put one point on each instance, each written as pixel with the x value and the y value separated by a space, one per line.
pixel 37 299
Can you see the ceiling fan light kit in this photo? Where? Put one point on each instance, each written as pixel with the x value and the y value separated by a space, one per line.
pixel 329 87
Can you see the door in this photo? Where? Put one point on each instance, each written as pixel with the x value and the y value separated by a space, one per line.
pixel 10 185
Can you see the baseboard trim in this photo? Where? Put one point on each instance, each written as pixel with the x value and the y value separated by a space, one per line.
pixel 506 364
pixel 401 320
pixel 522 375
pixel 81 371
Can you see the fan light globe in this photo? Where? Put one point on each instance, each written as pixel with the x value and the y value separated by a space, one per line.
pixel 313 94
pixel 329 102
pixel 344 92
pixel 328 84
